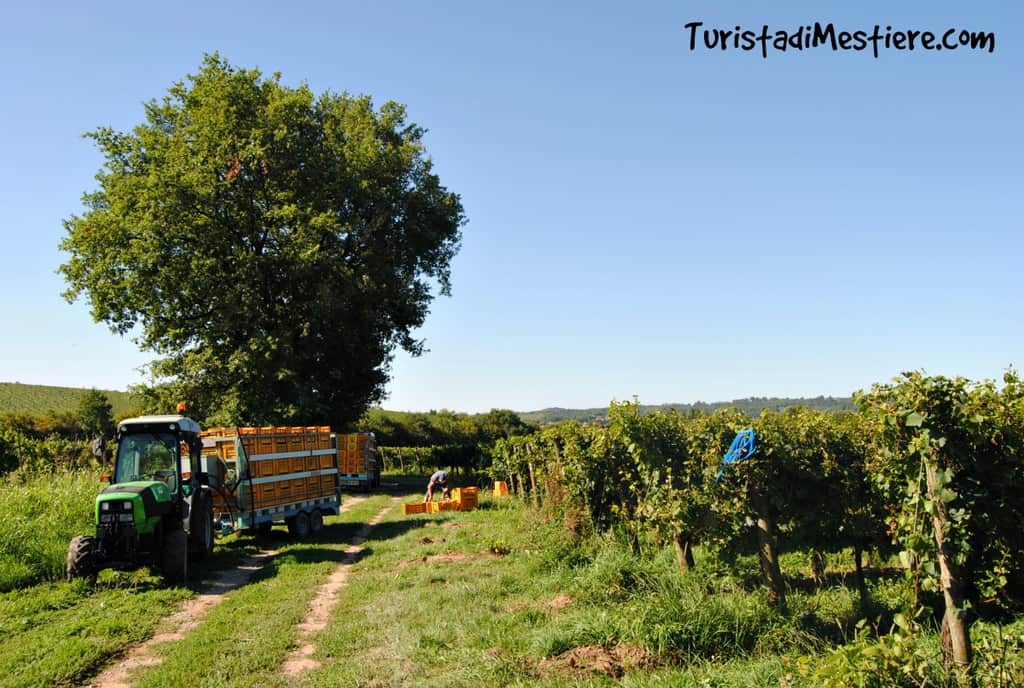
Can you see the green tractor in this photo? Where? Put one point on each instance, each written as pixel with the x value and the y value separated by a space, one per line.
pixel 158 509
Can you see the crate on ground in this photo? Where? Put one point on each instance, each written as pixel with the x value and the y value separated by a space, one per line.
pixel 414 508
pixel 500 488
pixel 466 497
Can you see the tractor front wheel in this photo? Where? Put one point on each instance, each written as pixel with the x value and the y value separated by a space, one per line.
pixel 82 558
pixel 174 558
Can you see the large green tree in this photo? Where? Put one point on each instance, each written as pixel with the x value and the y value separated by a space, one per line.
pixel 271 246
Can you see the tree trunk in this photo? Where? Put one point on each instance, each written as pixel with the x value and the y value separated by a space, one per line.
pixel 956 644
pixel 684 551
pixel 862 587
pixel 767 552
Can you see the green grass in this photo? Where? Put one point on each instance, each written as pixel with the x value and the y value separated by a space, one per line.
pixel 244 641
pixel 487 620
pixel 39 514
pixel 484 598
pixel 59 634
pixel 38 400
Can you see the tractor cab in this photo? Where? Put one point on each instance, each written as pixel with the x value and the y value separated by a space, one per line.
pixel 157 449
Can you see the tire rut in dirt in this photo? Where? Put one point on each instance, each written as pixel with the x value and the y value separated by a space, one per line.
pixel 319 611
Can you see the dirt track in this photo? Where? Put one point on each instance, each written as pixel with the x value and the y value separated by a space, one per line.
pixel 319 612
pixel 190 613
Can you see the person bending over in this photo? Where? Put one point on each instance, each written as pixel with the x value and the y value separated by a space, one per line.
pixel 438 479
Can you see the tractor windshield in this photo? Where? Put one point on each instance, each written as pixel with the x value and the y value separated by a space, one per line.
pixel 148 456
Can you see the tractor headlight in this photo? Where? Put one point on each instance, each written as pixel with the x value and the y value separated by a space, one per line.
pixel 105 506
pixel 126 506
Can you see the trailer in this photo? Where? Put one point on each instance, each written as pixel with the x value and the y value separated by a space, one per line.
pixel 273 474
pixel 359 464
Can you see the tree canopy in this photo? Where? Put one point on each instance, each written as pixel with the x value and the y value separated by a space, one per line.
pixel 95 414
pixel 271 246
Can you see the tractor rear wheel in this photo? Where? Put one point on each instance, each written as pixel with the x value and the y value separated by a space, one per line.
pixel 82 558
pixel 174 558
pixel 316 521
pixel 298 525
pixel 202 529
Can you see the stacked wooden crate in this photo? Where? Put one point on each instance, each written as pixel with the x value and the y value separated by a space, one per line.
pixel 466 498
pixel 356 453
pixel 282 464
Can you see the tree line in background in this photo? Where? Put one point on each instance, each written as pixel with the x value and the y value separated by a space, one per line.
pixel 411 442
pixel 751 406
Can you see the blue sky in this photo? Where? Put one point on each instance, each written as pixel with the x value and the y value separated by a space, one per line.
pixel 643 219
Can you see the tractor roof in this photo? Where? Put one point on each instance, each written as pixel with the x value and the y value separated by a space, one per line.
pixel 183 423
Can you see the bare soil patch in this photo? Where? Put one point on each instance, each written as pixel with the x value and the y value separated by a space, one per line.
pixel 558 603
pixel 450 558
pixel 555 604
pixel 447 558
pixel 597 659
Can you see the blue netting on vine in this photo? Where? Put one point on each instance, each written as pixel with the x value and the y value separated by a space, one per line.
pixel 742 447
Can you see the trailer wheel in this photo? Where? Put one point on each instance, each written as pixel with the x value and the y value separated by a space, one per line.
pixel 174 558
pixel 298 525
pixel 82 558
pixel 264 527
pixel 316 521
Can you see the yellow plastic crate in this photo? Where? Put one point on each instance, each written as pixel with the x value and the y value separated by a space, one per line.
pixel 414 508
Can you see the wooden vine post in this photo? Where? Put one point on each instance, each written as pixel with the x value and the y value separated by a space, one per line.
pixel 766 549
pixel 956 639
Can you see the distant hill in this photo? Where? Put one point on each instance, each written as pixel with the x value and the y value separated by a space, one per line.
pixel 38 400
pixel 751 406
